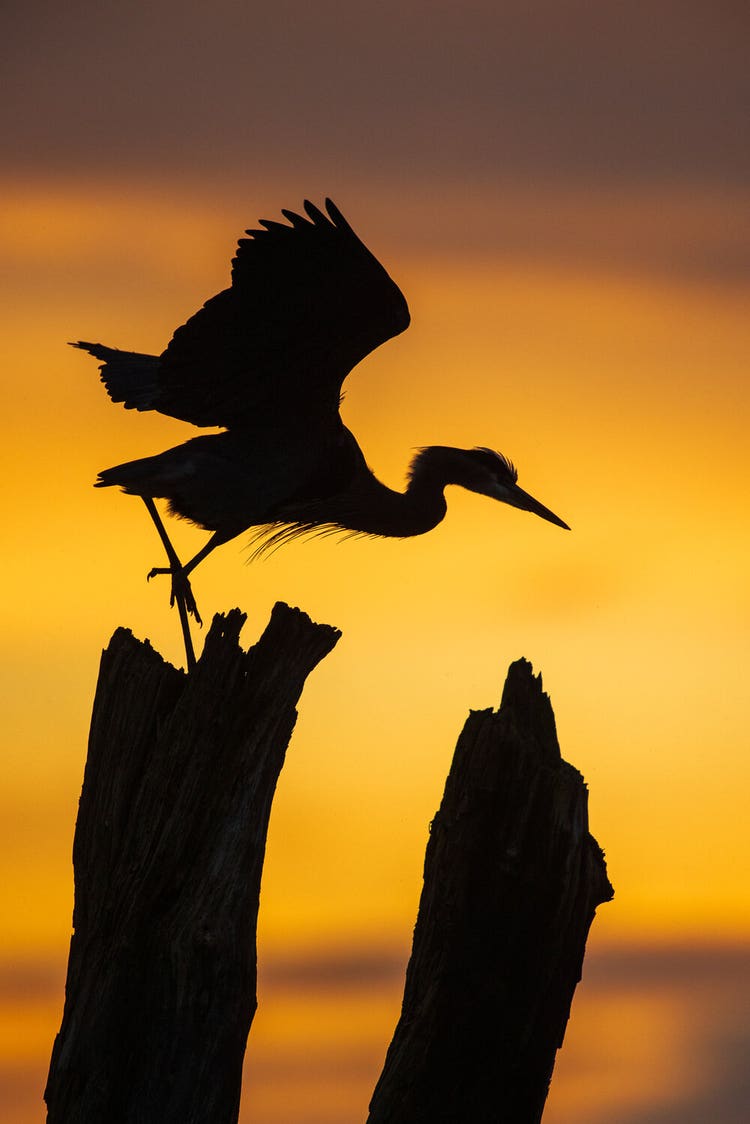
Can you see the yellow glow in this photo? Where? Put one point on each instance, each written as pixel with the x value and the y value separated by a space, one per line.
pixel 622 398
pixel 654 1064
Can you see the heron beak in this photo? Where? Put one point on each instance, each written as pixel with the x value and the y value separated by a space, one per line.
pixel 516 497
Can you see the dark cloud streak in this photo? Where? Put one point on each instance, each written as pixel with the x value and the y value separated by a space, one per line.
pixel 577 91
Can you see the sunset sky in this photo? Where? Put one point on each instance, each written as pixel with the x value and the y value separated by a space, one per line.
pixel 560 190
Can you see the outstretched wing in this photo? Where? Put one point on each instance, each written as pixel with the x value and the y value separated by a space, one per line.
pixel 308 301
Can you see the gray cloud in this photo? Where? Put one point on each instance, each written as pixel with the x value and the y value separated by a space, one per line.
pixel 710 983
pixel 472 91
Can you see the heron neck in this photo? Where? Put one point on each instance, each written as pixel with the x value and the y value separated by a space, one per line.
pixel 417 510
pixel 374 509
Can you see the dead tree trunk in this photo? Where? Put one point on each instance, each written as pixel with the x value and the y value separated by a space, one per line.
pixel 512 879
pixel 168 853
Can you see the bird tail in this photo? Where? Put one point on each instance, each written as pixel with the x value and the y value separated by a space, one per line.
pixel 148 476
pixel 129 377
pixel 184 475
pixel 133 477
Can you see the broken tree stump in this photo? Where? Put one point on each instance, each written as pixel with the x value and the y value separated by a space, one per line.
pixel 168 853
pixel 511 882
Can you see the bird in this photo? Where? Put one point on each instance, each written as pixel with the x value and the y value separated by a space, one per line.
pixel 265 361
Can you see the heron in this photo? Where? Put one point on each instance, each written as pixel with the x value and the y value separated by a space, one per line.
pixel 265 361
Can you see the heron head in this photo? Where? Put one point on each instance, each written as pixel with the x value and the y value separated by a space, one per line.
pixel 492 474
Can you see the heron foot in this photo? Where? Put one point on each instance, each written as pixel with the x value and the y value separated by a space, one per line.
pixel 181 589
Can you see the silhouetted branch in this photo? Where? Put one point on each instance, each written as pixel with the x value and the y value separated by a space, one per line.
pixel 512 880
pixel 168 853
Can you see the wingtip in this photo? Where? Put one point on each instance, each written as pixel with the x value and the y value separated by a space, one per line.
pixel 314 212
pixel 335 214
pixel 272 225
pixel 298 222
pixel 292 217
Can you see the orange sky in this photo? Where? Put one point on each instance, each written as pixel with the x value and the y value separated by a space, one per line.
pixel 582 307
pixel 623 402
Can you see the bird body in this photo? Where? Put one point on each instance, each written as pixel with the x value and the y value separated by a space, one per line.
pixel 266 360
pixel 228 482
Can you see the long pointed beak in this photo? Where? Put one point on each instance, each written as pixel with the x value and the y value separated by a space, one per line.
pixel 516 497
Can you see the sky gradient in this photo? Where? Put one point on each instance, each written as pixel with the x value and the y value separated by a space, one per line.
pixel 561 193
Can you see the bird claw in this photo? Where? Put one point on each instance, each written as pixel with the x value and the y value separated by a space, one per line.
pixel 181 589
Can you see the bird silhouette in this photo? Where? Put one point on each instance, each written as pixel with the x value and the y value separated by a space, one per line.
pixel 265 360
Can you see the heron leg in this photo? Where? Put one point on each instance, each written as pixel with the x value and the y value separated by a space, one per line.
pixel 181 594
pixel 213 542
pixel 204 552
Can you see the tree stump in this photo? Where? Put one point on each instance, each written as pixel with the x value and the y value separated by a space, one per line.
pixel 511 883
pixel 168 853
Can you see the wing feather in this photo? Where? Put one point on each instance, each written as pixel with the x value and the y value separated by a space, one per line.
pixel 308 301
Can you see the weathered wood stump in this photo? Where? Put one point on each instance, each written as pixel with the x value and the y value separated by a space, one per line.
pixel 512 880
pixel 168 853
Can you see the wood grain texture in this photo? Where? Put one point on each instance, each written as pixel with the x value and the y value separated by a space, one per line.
pixel 168 855
pixel 512 880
